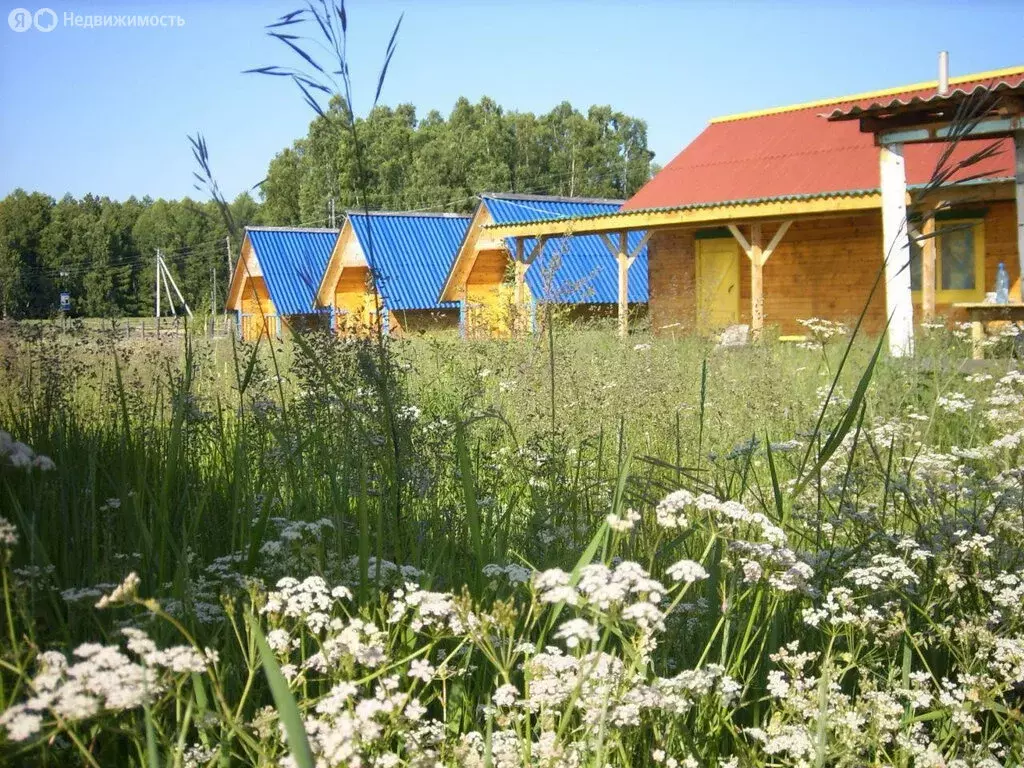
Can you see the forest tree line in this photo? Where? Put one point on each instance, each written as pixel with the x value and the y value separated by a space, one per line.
pixel 102 251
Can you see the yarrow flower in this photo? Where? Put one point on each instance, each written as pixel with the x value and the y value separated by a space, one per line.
pixel 552 586
pixel 420 669
pixel 687 571
pixel 513 573
pixel 955 402
pixel 576 631
pixel 506 696
pixel 670 512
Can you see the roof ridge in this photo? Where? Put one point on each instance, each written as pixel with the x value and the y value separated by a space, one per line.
pixel 893 91
pixel 250 228
pixel 548 198
pixel 422 214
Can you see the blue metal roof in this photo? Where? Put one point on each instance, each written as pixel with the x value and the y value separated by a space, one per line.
pixel 409 254
pixel 292 261
pixel 571 270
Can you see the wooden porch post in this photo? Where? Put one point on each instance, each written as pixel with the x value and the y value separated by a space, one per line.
pixel 928 246
pixel 522 262
pixel 622 257
pixel 462 315
pixel 758 256
pixel 896 241
pixel 756 281
pixel 520 282
pixel 1018 143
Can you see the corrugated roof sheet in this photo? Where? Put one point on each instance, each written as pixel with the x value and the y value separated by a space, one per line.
pixel 410 254
pixel 1009 83
pixel 292 261
pixel 797 151
pixel 572 270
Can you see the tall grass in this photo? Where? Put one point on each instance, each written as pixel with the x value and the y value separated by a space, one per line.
pixel 204 477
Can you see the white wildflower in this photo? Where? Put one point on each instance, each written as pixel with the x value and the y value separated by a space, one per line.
pixel 576 631
pixel 506 696
pixel 420 669
pixel 687 571
pixel 8 533
pixel 123 593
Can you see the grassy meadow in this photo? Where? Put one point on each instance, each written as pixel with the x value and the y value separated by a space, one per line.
pixel 561 550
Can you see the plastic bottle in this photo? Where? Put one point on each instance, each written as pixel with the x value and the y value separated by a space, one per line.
pixel 1002 285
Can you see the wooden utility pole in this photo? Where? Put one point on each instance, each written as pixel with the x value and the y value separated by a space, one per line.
pixel 157 273
pixel 213 298
pixel 170 282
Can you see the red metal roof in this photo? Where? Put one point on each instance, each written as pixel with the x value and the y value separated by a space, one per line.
pixel 797 151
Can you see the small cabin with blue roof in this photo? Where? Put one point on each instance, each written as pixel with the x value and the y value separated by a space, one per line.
pixel 274 282
pixel 500 281
pixel 391 265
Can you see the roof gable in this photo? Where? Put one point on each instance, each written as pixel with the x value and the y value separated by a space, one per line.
pixel 292 261
pixel 409 254
pixel 795 151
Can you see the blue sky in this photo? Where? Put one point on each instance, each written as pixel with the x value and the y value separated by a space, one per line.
pixel 108 110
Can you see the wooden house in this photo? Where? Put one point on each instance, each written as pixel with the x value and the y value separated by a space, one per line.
pixel 274 281
pixel 499 283
pixel 391 265
pixel 768 217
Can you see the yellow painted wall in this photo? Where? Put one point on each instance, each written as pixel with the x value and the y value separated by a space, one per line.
pixel 257 309
pixel 353 301
pixel 489 299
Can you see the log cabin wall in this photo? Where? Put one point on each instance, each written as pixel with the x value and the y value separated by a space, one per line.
pixel 823 267
pixel 670 270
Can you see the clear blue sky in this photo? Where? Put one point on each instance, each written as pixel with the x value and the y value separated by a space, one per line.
pixel 108 110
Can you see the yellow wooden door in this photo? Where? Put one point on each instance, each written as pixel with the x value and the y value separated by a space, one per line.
pixel 718 284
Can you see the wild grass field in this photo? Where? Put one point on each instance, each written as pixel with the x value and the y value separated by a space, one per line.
pixel 561 550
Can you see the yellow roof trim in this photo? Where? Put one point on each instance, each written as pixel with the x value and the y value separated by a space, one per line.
pixel 239 275
pixel 992 73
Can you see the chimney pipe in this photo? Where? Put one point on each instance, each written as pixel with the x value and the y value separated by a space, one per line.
pixel 943 73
